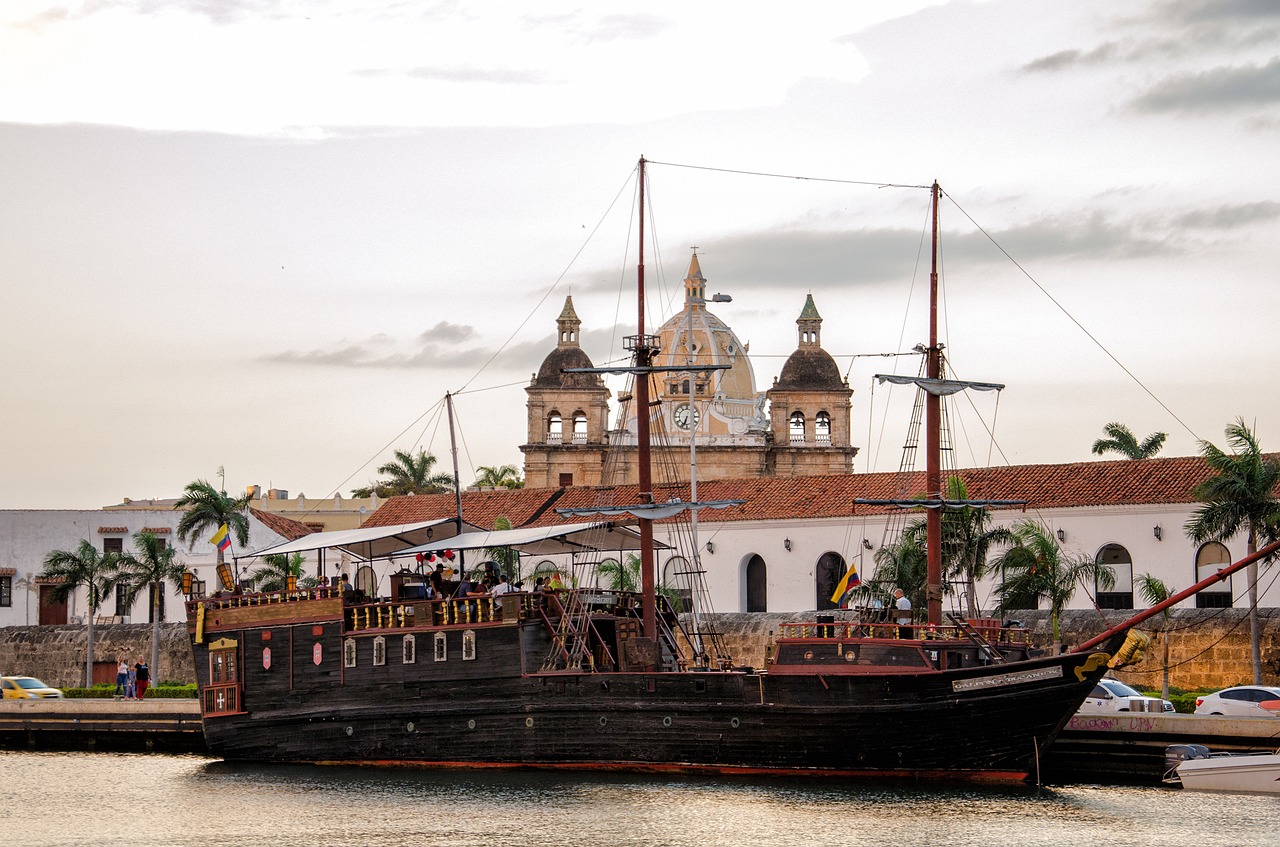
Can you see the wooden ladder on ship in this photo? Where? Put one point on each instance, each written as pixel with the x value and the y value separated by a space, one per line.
pixel 967 629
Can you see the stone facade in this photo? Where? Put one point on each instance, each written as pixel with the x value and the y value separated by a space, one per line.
pixel 799 427
pixel 1208 648
pixel 55 654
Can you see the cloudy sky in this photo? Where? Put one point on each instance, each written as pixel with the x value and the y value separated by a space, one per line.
pixel 270 235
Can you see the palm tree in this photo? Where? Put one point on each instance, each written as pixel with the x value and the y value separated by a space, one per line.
pixel 29 586
pixel 207 509
pixel 275 571
pixel 504 476
pixel 154 566
pixel 508 558
pixel 1035 568
pixel 409 473
pixel 1121 440
pixel 967 539
pixel 901 564
pixel 1239 495
pixel 620 576
pixel 1152 591
pixel 82 567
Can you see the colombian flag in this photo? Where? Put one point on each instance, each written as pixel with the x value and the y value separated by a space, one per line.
pixel 847 582
pixel 221 538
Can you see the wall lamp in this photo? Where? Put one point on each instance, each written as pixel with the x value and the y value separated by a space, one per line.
pixel 867 544
pixel 1159 533
pixel 1062 535
pixel 786 543
pixel 711 547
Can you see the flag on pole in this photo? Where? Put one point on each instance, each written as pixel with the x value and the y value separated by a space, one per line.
pixel 848 582
pixel 222 538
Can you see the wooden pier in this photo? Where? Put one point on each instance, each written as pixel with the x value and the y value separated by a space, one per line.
pixel 160 725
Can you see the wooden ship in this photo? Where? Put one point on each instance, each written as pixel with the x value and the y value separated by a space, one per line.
pixel 581 678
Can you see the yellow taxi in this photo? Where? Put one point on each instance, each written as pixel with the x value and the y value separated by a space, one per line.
pixel 26 688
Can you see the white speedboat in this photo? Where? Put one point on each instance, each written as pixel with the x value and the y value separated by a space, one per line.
pixel 1254 772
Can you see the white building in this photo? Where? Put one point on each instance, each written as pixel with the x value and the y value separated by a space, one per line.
pixel 27 536
pixel 784 548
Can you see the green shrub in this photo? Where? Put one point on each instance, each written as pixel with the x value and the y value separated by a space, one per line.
pixel 171 691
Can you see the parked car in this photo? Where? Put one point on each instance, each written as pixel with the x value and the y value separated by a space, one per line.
pixel 26 688
pixel 1112 695
pixel 1242 701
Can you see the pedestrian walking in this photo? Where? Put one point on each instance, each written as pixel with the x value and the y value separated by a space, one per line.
pixel 142 676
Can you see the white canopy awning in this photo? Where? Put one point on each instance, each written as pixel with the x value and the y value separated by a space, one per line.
pixel 543 540
pixel 373 542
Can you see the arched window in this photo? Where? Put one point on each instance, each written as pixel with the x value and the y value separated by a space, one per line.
pixel 555 428
pixel 822 428
pixel 366 581
pixel 1121 595
pixel 831 568
pixel 579 427
pixel 1210 559
pixel 676 583
pixel 757 585
pixel 796 427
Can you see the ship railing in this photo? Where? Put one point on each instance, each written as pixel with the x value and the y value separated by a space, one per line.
pixel 462 611
pixel 227 600
pixel 989 629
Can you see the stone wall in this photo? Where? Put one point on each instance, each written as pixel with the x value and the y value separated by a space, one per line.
pixel 55 654
pixel 1208 648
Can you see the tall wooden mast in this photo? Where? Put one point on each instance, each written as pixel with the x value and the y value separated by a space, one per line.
pixel 644 348
pixel 933 438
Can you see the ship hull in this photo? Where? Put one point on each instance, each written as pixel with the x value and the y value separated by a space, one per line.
pixel 308 704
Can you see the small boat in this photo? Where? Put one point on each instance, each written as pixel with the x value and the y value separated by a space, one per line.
pixel 1194 767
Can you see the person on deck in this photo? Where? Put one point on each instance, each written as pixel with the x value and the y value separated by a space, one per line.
pixel 903 616
pixel 501 587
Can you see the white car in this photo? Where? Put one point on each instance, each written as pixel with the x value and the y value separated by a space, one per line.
pixel 1112 695
pixel 1243 701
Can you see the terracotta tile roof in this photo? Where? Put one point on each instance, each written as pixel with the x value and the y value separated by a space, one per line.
pixel 520 506
pixel 1098 483
pixel 287 528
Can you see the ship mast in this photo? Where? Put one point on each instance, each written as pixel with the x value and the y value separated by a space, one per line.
pixel 644 347
pixel 933 438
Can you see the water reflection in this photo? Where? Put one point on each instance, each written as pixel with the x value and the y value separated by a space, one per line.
pixel 79 798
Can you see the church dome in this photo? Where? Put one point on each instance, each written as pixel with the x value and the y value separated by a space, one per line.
pixel 566 355
pixel 550 376
pixel 810 368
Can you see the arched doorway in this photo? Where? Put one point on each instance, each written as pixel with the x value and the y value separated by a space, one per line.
pixel 830 569
pixel 1210 559
pixel 1118 559
pixel 757 585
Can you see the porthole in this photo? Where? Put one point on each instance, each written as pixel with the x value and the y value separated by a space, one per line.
pixel 471 724
pixel 408 727
pixel 808 655
pixel 603 720
pixel 350 730
pixel 666 721
pixel 528 722
pixel 735 723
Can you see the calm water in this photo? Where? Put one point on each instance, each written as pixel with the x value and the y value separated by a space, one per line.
pixel 137 800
